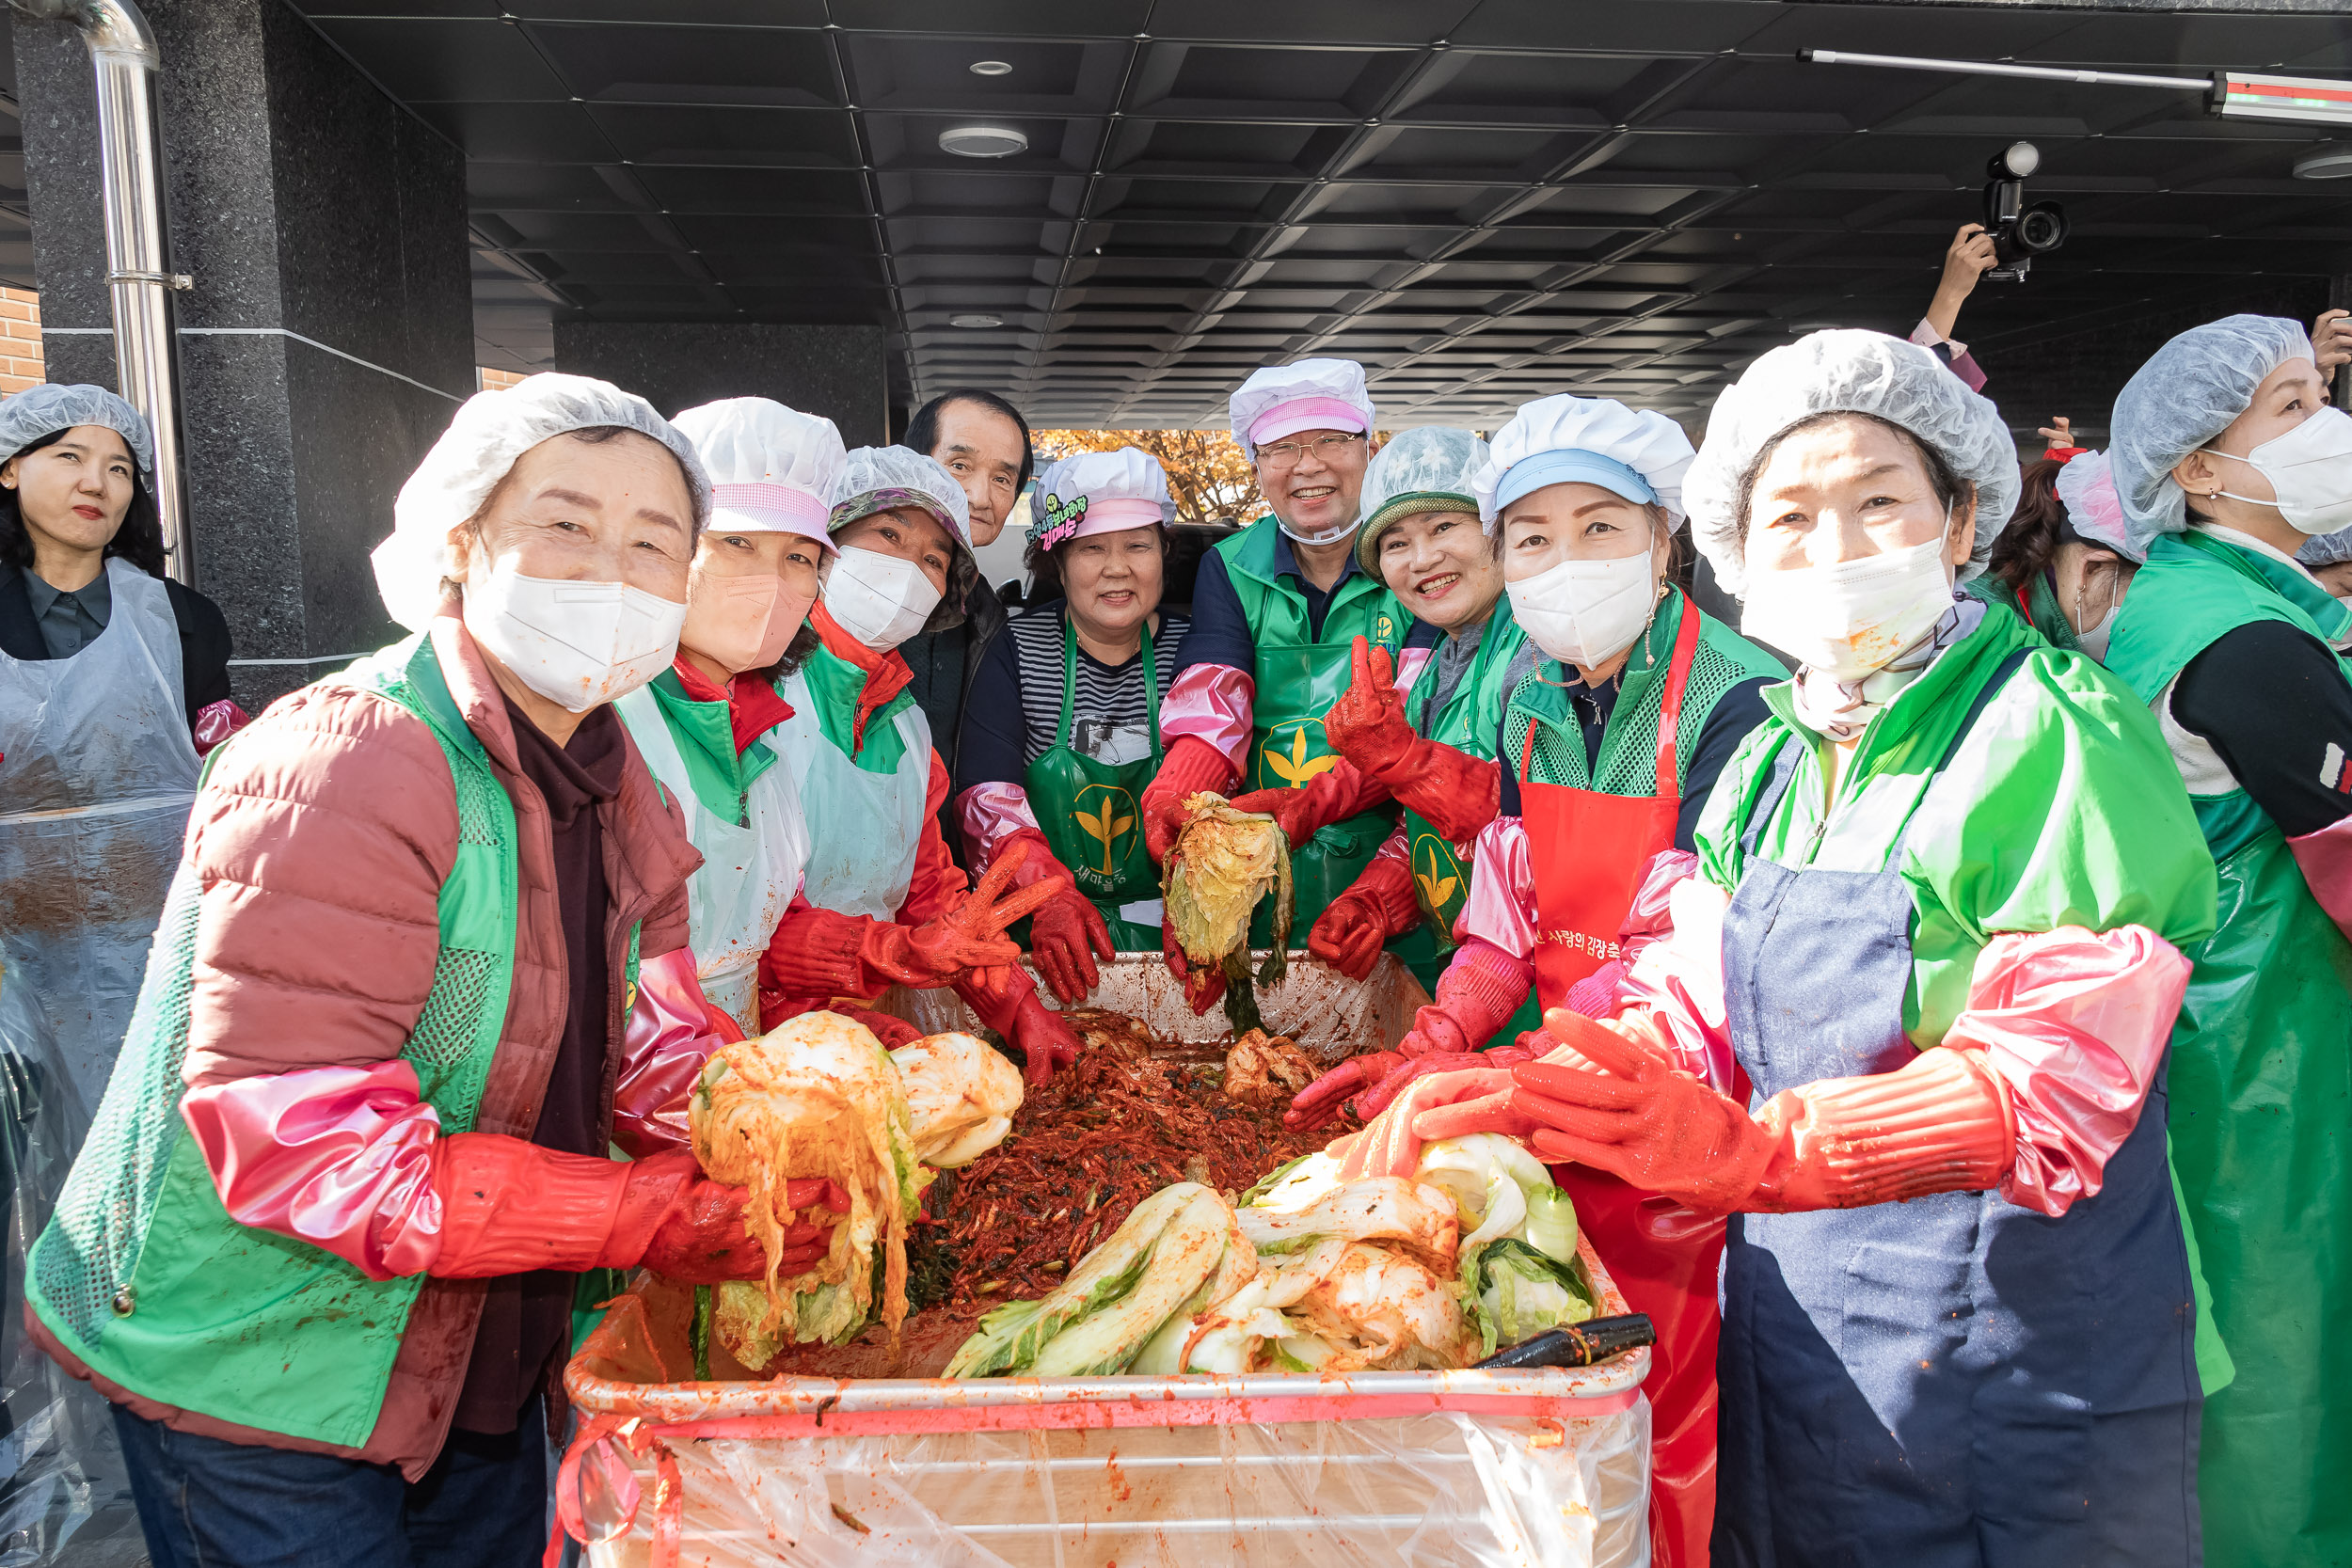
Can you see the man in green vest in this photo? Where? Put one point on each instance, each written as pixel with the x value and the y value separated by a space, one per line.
pixel 421 966
pixel 1276 612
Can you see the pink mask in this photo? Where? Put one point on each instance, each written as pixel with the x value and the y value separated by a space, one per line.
pixel 743 623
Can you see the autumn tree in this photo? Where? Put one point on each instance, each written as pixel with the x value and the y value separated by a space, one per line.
pixel 1209 476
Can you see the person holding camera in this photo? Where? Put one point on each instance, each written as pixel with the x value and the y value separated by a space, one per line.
pixel 1969 256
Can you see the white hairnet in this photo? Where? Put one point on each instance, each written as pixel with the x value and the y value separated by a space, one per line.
pixel 1101 492
pixel 1428 468
pixel 35 411
pixel 1311 394
pixel 490 431
pixel 1650 444
pixel 2086 487
pixel 2187 393
pixel 772 468
pixel 2326 550
pixel 1847 370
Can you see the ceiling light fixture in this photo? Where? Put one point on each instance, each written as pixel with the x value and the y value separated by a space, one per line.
pixel 2327 160
pixel 976 321
pixel 991 67
pixel 983 141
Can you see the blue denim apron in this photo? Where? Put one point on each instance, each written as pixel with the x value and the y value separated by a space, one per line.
pixel 1954 1381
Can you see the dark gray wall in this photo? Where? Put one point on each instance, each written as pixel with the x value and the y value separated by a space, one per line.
pixel 838 372
pixel 329 338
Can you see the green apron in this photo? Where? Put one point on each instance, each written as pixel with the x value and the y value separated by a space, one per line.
pixel 1089 814
pixel 2261 1077
pixel 1471 719
pixel 1299 676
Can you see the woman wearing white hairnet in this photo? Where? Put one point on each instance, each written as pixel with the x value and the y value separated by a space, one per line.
pixel 322 1244
pixel 1936 925
pixel 2066 558
pixel 2328 559
pixel 1606 758
pixel 106 670
pixel 882 902
pixel 2226 450
pixel 699 723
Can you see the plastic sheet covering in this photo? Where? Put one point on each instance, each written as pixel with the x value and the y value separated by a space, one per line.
pixel 62 1478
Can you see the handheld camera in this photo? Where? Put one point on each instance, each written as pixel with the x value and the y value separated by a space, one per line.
pixel 2019 232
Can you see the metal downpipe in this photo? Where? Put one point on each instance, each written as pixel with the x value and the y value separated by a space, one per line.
pixel 138 275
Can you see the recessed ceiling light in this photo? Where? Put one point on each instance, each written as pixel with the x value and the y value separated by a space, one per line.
pixel 983 141
pixel 975 321
pixel 991 67
pixel 2327 160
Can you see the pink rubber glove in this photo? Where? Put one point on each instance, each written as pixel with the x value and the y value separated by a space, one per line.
pixel 1190 766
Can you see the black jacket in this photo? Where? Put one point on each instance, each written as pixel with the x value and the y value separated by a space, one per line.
pixel 203 637
pixel 945 663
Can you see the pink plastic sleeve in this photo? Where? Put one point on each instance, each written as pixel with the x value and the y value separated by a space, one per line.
pixel 1410 662
pixel 990 814
pixel 1393 848
pixel 2326 858
pixel 1499 909
pixel 1649 920
pixel 1963 363
pixel 667 1040
pixel 340 1157
pixel 1676 975
pixel 2076 1022
pixel 1213 702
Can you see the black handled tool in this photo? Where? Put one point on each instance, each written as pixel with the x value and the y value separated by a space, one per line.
pixel 1579 1344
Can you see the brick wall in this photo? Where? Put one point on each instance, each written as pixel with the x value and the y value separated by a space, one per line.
pixel 495 381
pixel 20 340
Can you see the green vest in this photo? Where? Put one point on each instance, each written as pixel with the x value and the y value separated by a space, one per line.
pixel 1299 676
pixel 1468 723
pixel 141 1272
pixel 2261 1080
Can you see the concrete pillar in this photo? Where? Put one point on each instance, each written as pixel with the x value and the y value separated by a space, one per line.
pixel 329 335
pixel 839 371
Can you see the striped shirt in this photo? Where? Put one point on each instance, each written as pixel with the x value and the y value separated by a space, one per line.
pixel 1012 715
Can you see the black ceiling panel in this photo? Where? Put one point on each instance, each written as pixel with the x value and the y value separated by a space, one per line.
pixel 1485 200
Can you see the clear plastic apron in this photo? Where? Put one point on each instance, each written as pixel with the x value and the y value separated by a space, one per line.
pixel 750 869
pixel 864 828
pixel 97 774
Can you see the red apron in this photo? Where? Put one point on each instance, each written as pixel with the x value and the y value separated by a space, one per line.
pixel 1588 851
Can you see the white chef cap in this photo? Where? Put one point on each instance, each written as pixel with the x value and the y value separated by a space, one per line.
pixel 1555 440
pixel 1312 394
pixel 1428 468
pixel 55 405
pixel 2326 550
pixel 772 468
pixel 490 431
pixel 2086 487
pixel 2187 393
pixel 1101 492
pixel 1847 370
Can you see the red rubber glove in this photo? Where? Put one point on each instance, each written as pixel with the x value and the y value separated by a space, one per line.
pixel 1611 1098
pixel 1320 1100
pixel 1065 937
pixel 972 934
pixel 1367 725
pixel 1482 987
pixel 1332 796
pixel 1390 1145
pixel 1203 988
pixel 1191 766
pixel 1006 1002
pixel 1377 908
pixel 702 1239
pixel 1458 794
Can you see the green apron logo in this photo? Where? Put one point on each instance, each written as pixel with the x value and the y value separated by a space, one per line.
pixel 1383 629
pixel 1436 869
pixel 1296 768
pixel 1112 819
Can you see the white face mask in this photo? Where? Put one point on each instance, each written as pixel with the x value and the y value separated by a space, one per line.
pixel 1852 617
pixel 575 643
pixel 1586 612
pixel 743 623
pixel 879 599
pixel 2310 468
pixel 2092 639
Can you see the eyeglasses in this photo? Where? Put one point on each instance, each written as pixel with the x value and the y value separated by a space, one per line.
pixel 1285 455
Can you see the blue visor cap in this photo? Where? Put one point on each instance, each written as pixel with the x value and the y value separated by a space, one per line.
pixel 1571 465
